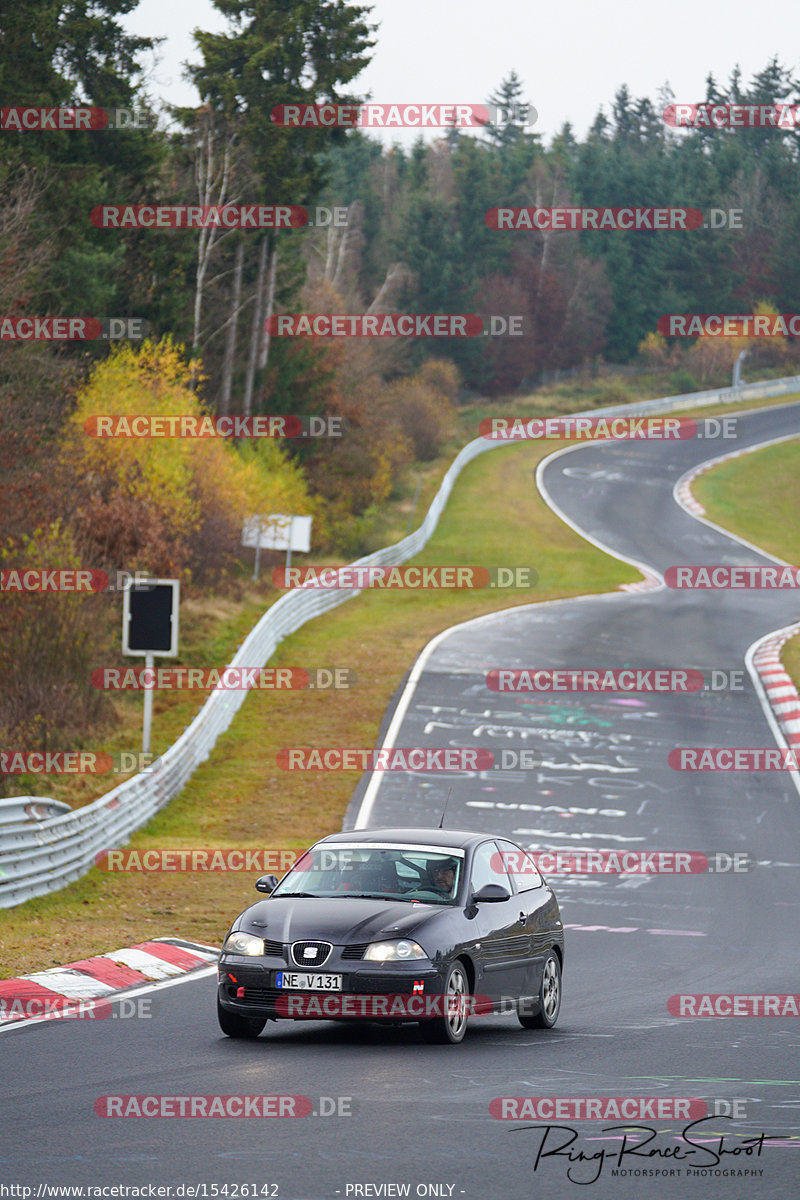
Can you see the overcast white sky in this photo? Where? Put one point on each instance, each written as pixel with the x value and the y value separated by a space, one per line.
pixel 571 55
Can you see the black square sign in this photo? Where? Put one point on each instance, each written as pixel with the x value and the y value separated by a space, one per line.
pixel 150 617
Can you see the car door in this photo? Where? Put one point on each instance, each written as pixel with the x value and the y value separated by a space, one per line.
pixel 534 904
pixel 503 943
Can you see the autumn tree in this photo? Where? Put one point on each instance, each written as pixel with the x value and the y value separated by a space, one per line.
pixel 172 506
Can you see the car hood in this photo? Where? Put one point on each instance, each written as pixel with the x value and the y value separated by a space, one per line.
pixel 339 921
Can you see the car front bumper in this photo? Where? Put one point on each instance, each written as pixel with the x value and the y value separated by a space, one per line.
pixel 369 992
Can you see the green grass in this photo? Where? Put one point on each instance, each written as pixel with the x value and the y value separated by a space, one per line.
pixel 790 657
pixel 757 496
pixel 240 798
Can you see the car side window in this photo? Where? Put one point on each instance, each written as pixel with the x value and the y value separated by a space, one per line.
pixel 487 867
pixel 521 867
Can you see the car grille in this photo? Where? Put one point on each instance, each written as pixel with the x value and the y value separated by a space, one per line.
pixel 355 951
pixel 321 952
pixel 274 948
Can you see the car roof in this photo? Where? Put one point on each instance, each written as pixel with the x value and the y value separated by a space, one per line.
pixel 412 836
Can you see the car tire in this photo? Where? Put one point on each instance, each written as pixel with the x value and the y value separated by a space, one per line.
pixel 450 1027
pixel 549 997
pixel 235 1026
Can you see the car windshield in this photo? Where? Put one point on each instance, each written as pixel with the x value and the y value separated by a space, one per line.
pixel 428 876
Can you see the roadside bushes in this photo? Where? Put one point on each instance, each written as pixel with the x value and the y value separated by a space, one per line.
pixel 424 407
pixel 169 505
pixel 49 642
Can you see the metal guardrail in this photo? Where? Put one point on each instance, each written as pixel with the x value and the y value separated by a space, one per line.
pixel 46 855
pixel 19 809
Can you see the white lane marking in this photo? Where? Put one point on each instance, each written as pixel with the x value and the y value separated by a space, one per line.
pixel 588 473
pixel 553 833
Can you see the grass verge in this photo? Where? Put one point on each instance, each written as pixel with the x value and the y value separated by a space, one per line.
pixel 757 497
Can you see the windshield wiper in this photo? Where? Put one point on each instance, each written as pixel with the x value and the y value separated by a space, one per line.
pixel 313 895
pixel 366 896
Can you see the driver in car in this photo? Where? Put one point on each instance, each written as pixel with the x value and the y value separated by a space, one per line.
pixel 442 875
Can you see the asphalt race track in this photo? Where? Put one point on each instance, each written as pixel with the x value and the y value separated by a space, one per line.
pixel 421 1114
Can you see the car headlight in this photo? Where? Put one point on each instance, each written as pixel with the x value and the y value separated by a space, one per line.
pixel 243 943
pixel 393 951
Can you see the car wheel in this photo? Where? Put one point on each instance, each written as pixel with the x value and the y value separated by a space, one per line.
pixel 549 997
pixel 238 1027
pixel 451 1026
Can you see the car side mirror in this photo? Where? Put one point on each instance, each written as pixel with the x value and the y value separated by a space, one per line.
pixel 267 883
pixel 491 893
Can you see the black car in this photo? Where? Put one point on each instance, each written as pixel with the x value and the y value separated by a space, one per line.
pixel 396 925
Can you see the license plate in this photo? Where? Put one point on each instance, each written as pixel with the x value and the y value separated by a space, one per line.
pixel 308 982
